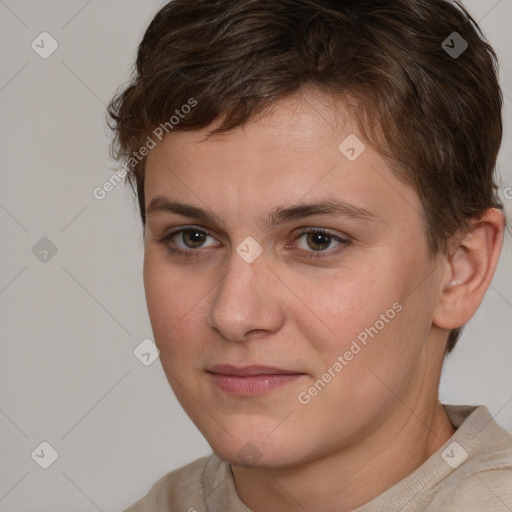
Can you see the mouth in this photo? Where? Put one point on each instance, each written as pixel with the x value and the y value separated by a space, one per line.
pixel 251 380
pixel 245 371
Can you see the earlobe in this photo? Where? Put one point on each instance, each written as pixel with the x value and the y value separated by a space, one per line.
pixel 469 270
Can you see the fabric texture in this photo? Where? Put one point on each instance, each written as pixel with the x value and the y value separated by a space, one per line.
pixel 471 472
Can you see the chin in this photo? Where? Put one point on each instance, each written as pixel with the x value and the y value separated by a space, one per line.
pixel 256 451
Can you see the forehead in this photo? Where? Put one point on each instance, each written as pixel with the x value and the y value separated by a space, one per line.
pixel 302 148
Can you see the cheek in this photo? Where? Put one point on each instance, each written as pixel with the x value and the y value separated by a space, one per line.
pixel 341 308
pixel 369 317
pixel 175 302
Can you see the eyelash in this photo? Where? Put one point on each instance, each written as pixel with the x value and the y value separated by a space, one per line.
pixel 313 255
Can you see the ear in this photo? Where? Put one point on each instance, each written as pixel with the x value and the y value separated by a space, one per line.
pixel 469 268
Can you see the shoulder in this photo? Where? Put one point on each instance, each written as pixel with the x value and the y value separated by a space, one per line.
pixel 482 490
pixel 480 454
pixel 471 472
pixel 182 487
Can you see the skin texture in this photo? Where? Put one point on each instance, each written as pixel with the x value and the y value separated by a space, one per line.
pixel 379 417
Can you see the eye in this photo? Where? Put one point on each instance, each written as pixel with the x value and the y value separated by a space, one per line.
pixel 186 239
pixel 319 239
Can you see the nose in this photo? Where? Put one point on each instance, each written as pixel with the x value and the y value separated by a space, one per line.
pixel 246 301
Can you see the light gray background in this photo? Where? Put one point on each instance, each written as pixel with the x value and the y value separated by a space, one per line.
pixel 69 326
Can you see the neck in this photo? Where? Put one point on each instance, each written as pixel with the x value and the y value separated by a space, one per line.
pixel 347 479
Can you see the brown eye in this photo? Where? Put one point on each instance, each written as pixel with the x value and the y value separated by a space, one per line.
pixel 193 238
pixel 187 240
pixel 318 240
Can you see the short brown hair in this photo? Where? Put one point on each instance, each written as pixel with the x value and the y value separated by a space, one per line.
pixel 436 114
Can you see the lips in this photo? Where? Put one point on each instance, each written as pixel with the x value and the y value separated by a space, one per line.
pixel 227 369
pixel 251 380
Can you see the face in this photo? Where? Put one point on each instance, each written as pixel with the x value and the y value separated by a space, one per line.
pixel 337 302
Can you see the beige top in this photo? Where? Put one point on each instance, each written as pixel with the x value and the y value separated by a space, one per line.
pixel 471 472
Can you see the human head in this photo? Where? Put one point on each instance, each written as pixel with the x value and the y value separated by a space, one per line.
pixel 256 97
pixel 437 117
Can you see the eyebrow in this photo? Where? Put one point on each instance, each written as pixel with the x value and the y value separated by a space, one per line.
pixel 279 215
